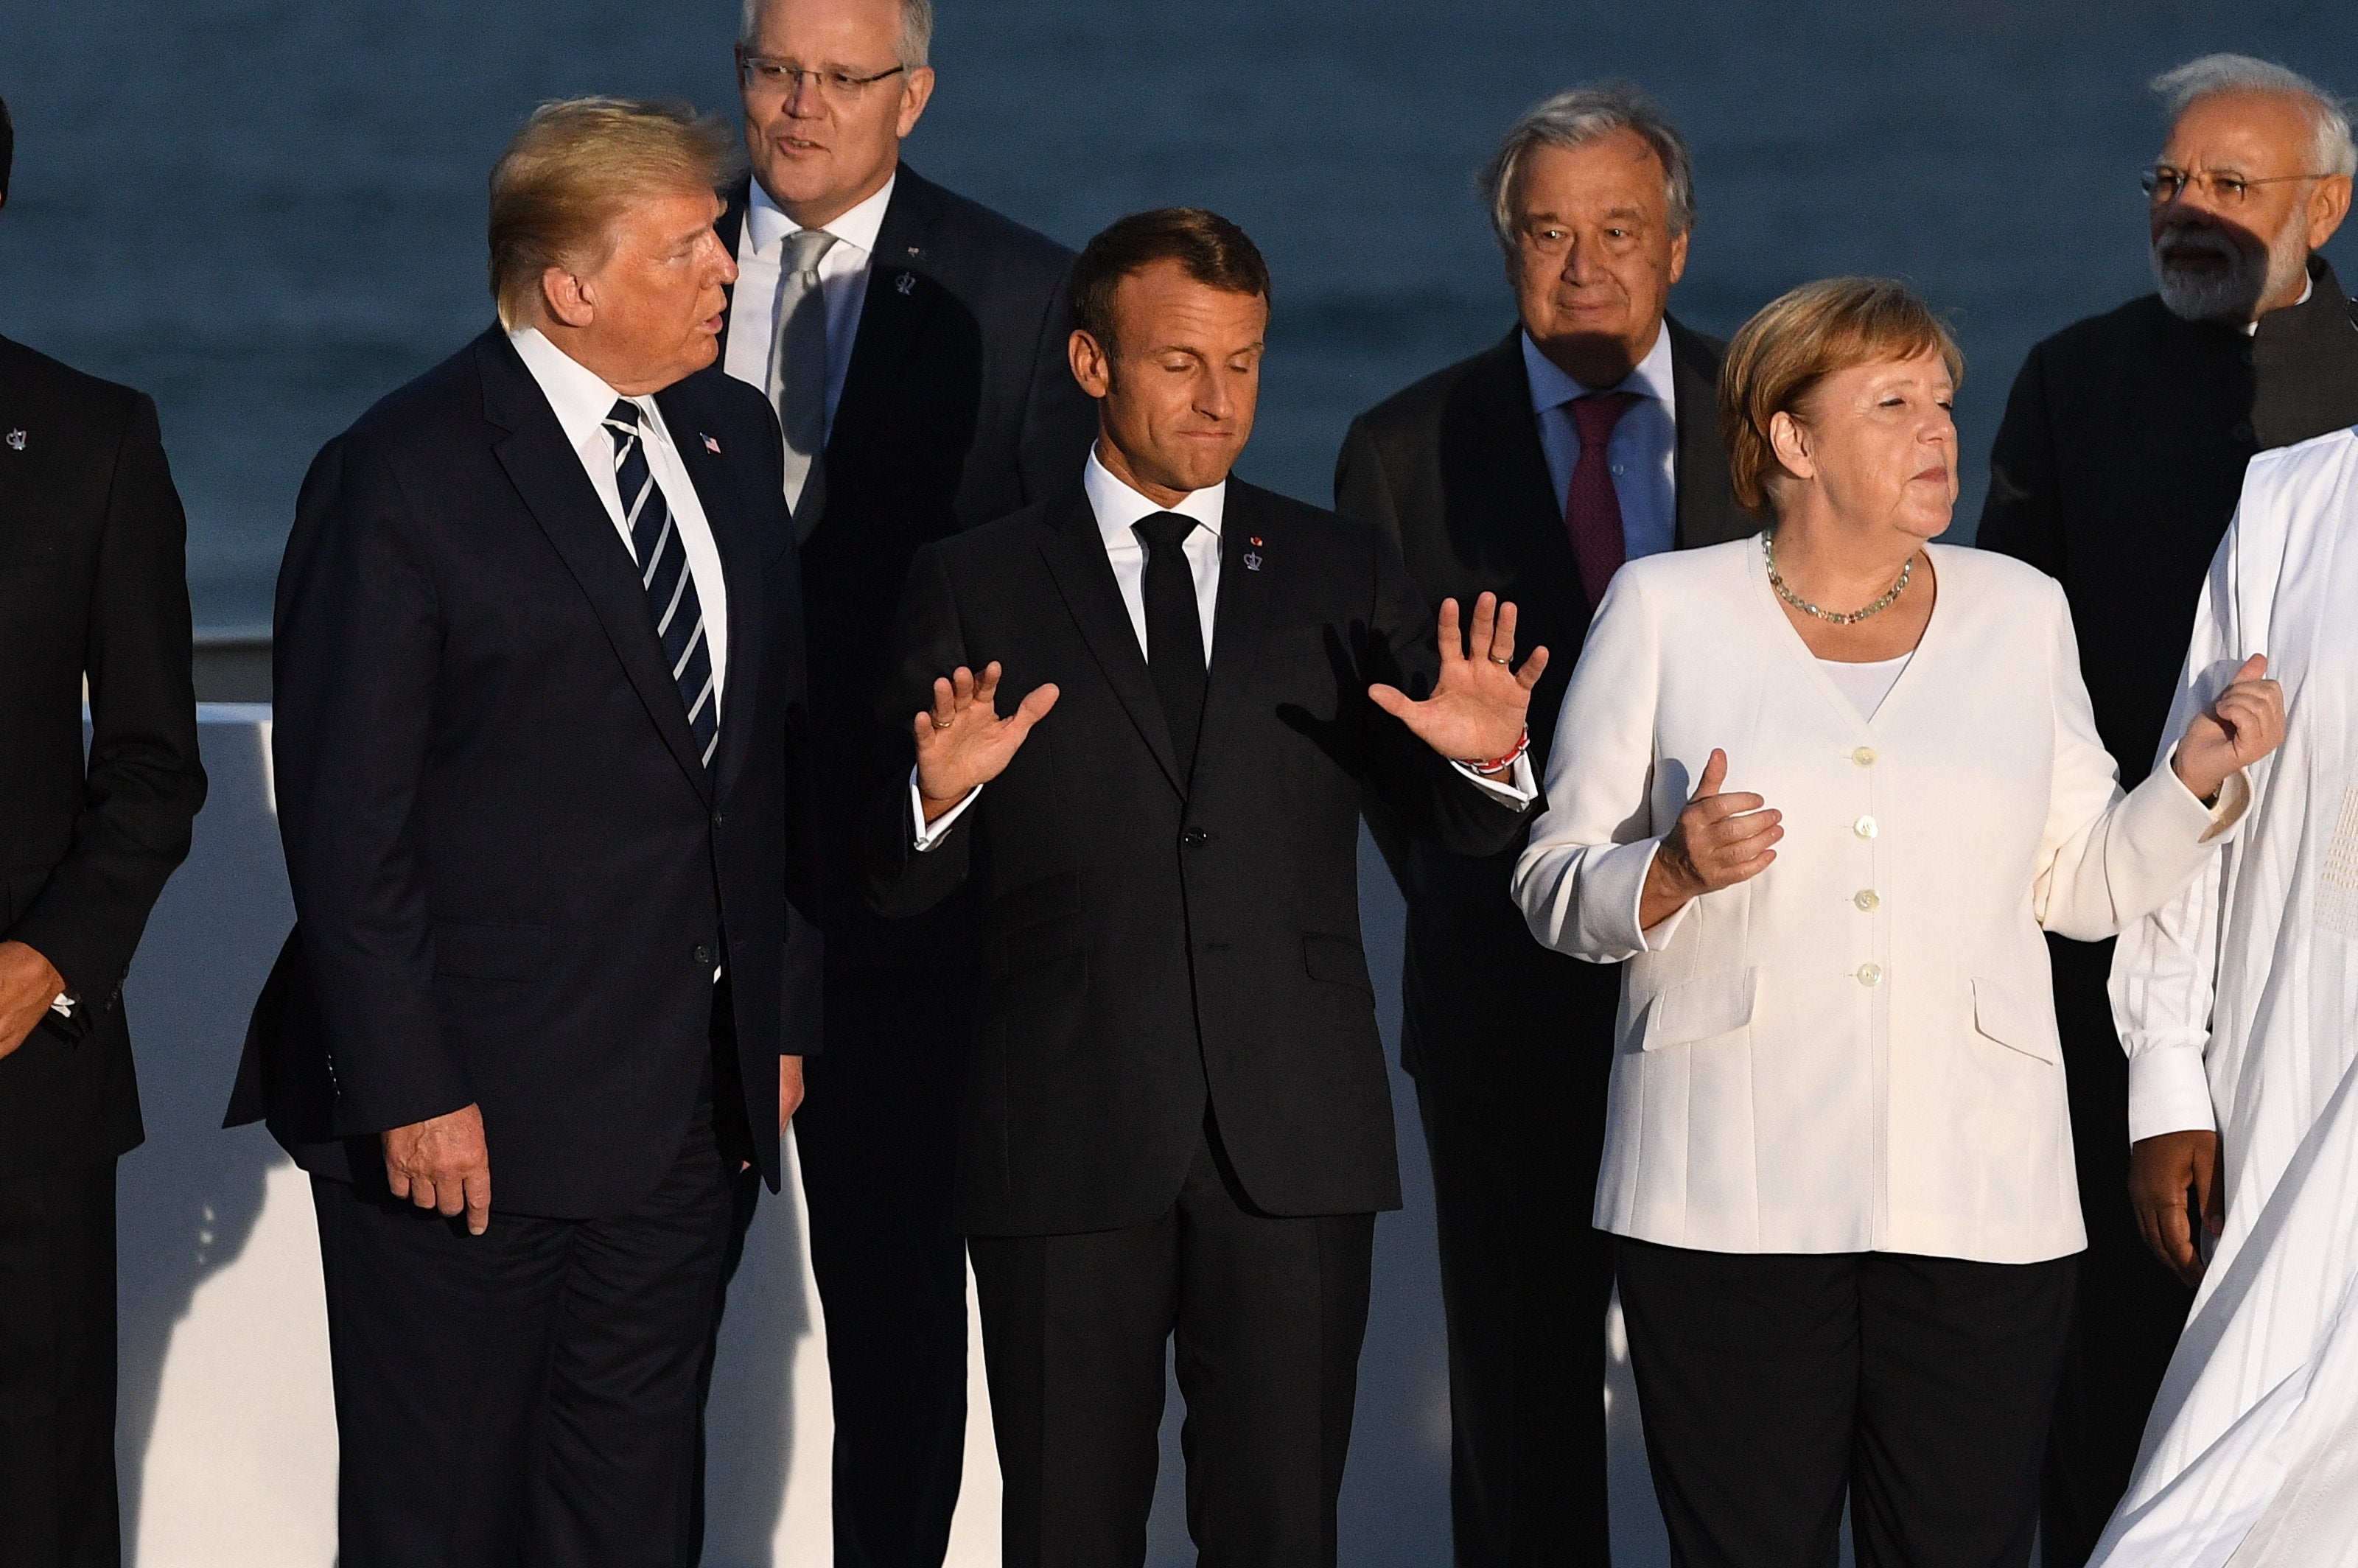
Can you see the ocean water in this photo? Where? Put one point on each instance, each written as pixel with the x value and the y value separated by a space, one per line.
pixel 268 212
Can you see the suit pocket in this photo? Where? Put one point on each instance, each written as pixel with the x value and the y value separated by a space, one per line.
pixel 1701 1009
pixel 2002 1015
pixel 1038 948
pixel 483 951
pixel 1337 961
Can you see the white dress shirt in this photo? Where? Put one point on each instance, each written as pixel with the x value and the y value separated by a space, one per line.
pixel 581 401
pixel 1119 509
pixel 842 282
pixel 1643 453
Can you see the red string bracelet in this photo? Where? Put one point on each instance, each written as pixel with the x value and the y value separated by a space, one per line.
pixel 1508 761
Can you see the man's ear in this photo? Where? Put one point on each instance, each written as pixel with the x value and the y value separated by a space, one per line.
pixel 568 298
pixel 2328 205
pixel 1092 366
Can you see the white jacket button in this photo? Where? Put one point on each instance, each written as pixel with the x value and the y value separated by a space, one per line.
pixel 1864 828
pixel 1863 756
pixel 1870 973
pixel 1868 900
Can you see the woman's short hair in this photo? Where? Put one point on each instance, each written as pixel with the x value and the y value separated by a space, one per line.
pixel 1798 339
pixel 1210 249
pixel 574 168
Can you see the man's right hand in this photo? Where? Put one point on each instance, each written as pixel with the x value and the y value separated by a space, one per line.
pixel 443 1165
pixel 962 743
pixel 2162 1170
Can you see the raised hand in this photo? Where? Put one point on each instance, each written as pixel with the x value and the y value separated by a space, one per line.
pixel 1476 708
pixel 963 743
pixel 2245 724
pixel 1718 841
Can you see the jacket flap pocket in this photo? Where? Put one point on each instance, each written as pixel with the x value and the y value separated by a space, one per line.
pixel 1337 960
pixel 1701 1008
pixel 2002 1015
pixel 1036 903
pixel 484 951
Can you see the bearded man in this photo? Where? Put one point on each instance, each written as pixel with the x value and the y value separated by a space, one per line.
pixel 2116 470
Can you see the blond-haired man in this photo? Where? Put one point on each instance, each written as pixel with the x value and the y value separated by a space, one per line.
pixel 539 680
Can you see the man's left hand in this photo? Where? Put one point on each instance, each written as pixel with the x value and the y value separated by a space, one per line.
pixel 28 984
pixel 790 1091
pixel 1478 706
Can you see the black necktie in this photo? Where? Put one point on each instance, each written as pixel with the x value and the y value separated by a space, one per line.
pixel 663 573
pixel 1174 630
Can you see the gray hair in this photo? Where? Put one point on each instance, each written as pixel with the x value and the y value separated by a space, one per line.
pixel 916 30
pixel 1576 118
pixel 2332 149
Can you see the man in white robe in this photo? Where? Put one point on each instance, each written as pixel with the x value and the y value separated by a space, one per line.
pixel 2238 1005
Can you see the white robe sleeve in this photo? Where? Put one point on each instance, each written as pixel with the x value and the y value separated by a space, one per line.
pixel 2165 967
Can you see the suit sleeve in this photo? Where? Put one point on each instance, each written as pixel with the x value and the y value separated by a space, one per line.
pixel 355 666
pixel 2023 513
pixel 926 643
pixel 144 782
pixel 1362 491
pixel 1060 420
pixel 1411 782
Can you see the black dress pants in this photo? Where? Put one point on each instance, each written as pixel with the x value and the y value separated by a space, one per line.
pixel 527 1397
pixel 1526 1280
pixel 2131 1309
pixel 1774 1384
pixel 57 1506
pixel 1269 1314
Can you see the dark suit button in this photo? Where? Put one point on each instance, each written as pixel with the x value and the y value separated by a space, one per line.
pixel 1195 838
pixel 2243 430
pixel 703 953
pixel 716 821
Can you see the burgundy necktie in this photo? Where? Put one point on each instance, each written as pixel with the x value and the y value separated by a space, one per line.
pixel 1592 512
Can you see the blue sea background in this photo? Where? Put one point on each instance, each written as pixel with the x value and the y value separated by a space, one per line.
pixel 268 213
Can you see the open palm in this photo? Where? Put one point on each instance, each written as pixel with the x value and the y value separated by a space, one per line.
pixel 1478 705
pixel 962 742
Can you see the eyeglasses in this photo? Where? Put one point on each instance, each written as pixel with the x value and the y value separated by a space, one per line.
pixel 779 77
pixel 2163 185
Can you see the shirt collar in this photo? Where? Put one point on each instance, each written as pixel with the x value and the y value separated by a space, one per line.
pixel 577 396
pixel 1118 507
pixel 857 228
pixel 1552 387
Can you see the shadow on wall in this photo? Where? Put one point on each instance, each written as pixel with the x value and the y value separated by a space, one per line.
pixel 189 1197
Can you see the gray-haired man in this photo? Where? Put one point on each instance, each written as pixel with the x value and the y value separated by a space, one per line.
pixel 1586 435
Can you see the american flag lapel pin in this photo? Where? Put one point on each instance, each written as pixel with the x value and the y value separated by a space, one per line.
pixel 710 445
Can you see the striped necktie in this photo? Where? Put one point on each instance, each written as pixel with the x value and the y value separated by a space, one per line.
pixel 672 604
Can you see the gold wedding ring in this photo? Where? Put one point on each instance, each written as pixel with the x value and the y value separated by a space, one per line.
pixel 942 723
pixel 1496 660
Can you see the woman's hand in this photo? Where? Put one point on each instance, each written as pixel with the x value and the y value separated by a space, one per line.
pixel 1718 841
pixel 2245 724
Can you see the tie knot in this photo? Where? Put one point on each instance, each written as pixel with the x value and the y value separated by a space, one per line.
pixel 1164 531
pixel 1596 413
pixel 625 415
pixel 808 245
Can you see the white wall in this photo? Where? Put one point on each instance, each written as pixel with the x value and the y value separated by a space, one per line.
pixel 228 1439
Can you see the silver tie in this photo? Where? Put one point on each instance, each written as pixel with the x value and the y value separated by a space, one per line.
pixel 798 371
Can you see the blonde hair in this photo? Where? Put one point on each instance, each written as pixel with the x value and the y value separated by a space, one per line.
pixel 574 168
pixel 1776 358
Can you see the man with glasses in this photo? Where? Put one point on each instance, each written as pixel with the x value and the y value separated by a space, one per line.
pixel 913 345
pixel 2117 469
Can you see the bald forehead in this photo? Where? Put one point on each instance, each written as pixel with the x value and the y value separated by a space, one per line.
pixel 2244 128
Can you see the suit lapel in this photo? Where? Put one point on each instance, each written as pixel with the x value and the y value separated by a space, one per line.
pixel 1707 513
pixel 739 543
pixel 549 477
pixel 901 293
pixel 1503 429
pixel 1251 560
pixel 1077 559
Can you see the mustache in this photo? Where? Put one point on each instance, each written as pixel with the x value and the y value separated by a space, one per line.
pixel 2178 243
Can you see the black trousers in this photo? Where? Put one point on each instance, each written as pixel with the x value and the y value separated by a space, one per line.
pixel 1269 1314
pixel 1526 1281
pixel 2131 1309
pixel 1774 1384
pixel 529 1396
pixel 57 1506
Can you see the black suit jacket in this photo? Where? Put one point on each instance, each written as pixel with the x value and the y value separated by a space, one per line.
pixel 92 582
pixel 514 875
pixel 1451 470
pixel 2119 466
pixel 959 406
pixel 1152 944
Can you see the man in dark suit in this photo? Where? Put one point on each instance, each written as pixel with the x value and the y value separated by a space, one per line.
pixel 93 588
pixel 913 345
pixel 539 732
pixel 2117 468
pixel 1176 1119
pixel 1588 436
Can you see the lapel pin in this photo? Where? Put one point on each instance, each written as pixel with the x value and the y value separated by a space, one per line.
pixel 710 445
pixel 916 251
pixel 16 440
pixel 906 282
pixel 1252 561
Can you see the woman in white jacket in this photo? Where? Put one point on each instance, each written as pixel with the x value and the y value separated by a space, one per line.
pixel 1823 791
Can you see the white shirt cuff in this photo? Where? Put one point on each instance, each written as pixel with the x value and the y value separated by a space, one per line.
pixel 930 833
pixel 1518 789
pixel 63 1006
pixel 2169 1091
